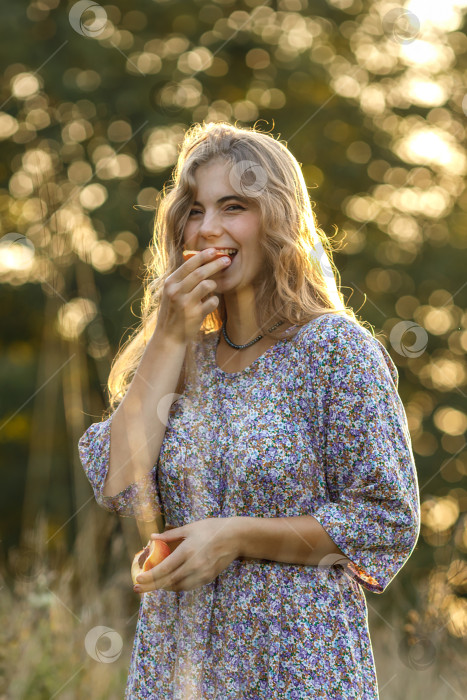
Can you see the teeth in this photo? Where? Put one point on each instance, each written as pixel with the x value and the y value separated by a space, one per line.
pixel 229 251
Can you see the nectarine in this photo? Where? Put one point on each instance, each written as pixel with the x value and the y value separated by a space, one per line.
pixel 154 552
pixel 187 254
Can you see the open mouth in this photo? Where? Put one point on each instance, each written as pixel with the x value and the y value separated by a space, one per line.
pixel 231 252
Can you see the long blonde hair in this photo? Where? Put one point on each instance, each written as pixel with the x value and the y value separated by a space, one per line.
pixel 299 280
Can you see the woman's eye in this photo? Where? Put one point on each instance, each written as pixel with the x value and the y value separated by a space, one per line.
pixel 232 206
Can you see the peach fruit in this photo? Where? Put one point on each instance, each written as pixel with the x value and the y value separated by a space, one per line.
pixel 187 254
pixel 154 552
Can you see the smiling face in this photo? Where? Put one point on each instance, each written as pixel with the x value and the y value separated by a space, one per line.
pixel 222 218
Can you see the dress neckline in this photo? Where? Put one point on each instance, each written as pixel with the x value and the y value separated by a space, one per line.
pixel 213 351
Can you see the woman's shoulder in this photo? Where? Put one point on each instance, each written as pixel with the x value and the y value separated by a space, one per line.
pixel 329 328
pixel 344 340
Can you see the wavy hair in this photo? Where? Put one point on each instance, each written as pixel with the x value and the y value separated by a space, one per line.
pixel 298 282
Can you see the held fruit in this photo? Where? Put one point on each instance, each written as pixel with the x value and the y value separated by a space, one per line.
pixel 154 552
pixel 187 254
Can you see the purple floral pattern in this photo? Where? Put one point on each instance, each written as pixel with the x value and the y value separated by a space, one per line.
pixel 314 426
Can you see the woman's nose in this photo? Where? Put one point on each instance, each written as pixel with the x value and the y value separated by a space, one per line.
pixel 209 223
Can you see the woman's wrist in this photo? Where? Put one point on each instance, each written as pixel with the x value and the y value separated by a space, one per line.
pixel 167 341
pixel 235 536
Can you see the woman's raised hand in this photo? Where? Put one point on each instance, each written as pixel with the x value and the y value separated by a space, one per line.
pixel 185 301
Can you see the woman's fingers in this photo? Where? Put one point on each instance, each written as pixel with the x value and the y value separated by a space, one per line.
pixel 163 570
pixel 181 313
pixel 206 269
pixel 189 265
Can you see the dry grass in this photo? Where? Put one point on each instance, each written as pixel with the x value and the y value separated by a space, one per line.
pixel 52 603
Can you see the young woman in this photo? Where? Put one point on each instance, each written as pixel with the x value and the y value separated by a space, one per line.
pixel 261 420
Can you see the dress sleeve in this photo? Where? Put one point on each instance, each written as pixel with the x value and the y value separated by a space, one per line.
pixel 373 514
pixel 140 499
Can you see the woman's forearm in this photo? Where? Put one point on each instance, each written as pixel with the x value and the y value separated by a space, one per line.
pixel 295 540
pixel 138 428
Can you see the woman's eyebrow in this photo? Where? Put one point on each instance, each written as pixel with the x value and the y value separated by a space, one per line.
pixel 226 198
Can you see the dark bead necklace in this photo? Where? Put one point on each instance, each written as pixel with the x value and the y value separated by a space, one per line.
pixel 240 347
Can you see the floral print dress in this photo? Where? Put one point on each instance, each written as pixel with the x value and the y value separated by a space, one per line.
pixel 314 426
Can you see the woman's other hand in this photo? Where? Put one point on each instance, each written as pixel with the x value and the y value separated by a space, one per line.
pixel 207 547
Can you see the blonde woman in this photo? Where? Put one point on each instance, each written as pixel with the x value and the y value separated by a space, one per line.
pixel 257 417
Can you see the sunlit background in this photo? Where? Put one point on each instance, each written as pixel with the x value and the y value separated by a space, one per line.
pixel 371 98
